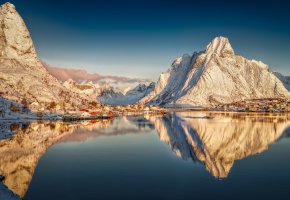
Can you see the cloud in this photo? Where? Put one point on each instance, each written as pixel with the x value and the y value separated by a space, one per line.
pixel 63 74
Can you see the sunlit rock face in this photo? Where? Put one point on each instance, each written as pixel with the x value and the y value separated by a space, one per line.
pixel 213 76
pixel 15 39
pixel 22 75
pixel 219 141
pixel 21 72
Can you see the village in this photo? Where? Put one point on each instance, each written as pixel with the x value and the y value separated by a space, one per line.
pixel 71 112
pixel 108 111
pixel 95 110
pixel 256 105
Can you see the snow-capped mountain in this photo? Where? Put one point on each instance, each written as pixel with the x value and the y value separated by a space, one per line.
pixel 215 76
pixel 88 88
pixel 22 75
pixel 119 83
pixel 109 96
pixel 285 79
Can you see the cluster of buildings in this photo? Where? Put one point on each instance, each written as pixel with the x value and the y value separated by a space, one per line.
pixel 70 111
pixel 107 111
pixel 256 105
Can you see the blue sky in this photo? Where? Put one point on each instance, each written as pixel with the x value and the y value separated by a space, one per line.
pixel 142 38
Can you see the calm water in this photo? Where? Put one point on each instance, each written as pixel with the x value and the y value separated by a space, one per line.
pixel 177 156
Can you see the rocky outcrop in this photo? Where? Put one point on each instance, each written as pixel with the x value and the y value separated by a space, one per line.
pixel 215 76
pixel 22 75
pixel 15 40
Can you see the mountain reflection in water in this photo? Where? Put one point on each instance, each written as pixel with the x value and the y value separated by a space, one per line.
pixel 213 139
pixel 219 139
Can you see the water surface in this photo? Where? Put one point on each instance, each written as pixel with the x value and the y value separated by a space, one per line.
pixel 186 155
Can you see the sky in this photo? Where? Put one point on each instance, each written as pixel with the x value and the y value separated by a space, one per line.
pixel 141 38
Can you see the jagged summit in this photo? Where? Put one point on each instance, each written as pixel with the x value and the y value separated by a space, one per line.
pixel 8 6
pixel 221 46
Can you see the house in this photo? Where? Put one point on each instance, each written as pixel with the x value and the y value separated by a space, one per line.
pixel 253 109
pixel 147 110
pixel 34 105
pixel 83 110
pixel 94 113
pixel 85 114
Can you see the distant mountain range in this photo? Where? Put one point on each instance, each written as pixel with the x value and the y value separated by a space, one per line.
pixel 108 93
pixel 119 83
pixel 109 96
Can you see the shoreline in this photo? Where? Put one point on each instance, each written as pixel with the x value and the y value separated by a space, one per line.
pixel 68 118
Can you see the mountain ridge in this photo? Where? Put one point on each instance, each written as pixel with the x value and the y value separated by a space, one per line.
pixel 213 76
pixel 22 75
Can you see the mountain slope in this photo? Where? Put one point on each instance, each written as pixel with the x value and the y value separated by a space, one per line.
pixel 284 79
pixel 88 89
pixel 215 76
pixel 109 96
pixel 22 75
pixel 21 72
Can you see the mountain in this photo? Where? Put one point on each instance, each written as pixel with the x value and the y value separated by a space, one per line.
pixel 110 96
pixel 22 74
pixel 285 80
pixel 119 83
pixel 107 94
pixel 215 76
pixel 85 89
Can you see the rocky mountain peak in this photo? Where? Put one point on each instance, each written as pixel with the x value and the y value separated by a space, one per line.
pixel 15 40
pixel 8 7
pixel 220 46
pixel 215 76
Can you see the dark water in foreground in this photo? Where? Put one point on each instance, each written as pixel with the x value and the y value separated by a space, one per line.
pixel 177 156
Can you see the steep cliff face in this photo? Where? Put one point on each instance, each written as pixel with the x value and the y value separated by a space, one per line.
pixel 16 43
pixel 22 75
pixel 214 76
pixel 21 72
